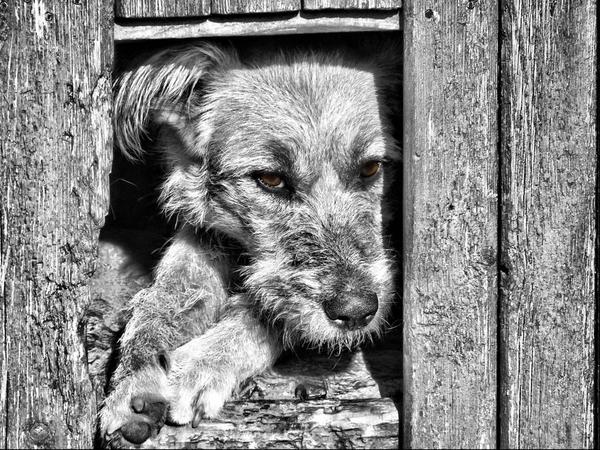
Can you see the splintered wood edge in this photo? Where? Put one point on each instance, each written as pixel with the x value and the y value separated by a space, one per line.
pixel 372 423
pixel 299 23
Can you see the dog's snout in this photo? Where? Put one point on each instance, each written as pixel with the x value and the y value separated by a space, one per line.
pixel 352 311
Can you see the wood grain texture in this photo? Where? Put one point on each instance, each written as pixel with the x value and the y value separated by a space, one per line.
pixel 548 223
pixel 291 424
pixel 253 6
pixel 450 188
pixel 138 9
pixel 300 23
pixel 351 4
pixel 55 152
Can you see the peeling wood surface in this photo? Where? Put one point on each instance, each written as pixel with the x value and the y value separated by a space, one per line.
pixel 137 9
pixel 548 224
pixel 352 4
pixel 298 23
pixel 55 152
pixel 291 424
pixel 451 177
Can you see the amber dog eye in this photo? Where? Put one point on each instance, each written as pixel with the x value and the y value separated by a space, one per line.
pixel 370 168
pixel 271 180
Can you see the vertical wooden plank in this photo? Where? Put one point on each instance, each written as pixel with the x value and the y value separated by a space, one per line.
pixel 55 151
pixel 548 118
pixel 253 6
pixel 141 9
pixel 351 4
pixel 451 177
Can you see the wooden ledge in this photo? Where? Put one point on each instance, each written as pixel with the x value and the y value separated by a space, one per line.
pixel 291 424
pixel 260 25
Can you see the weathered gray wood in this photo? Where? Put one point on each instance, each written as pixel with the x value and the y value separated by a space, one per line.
pixel 291 424
pixel 351 4
pixel 55 151
pixel 137 9
pixel 301 23
pixel 450 289
pixel 548 223
pixel 253 6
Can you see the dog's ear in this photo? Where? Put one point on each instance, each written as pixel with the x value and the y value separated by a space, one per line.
pixel 160 91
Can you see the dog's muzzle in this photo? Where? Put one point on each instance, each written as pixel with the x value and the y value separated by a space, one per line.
pixel 351 311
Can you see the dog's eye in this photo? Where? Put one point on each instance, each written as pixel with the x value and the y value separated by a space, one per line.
pixel 370 169
pixel 271 180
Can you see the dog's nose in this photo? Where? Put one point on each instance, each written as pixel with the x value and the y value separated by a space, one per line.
pixel 352 311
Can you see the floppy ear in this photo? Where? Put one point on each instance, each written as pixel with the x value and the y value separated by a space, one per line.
pixel 160 90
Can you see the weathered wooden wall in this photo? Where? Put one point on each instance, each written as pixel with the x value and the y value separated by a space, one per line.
pixel 55 151
pixel 544 235
pixel 500 226
pixel 450 181
pixel 548 223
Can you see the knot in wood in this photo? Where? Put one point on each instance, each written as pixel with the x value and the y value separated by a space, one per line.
pixel 39 433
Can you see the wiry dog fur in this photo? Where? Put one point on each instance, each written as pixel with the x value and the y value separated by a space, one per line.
pixel 254 269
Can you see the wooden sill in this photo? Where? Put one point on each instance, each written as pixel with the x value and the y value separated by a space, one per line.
pixel 291 424
pixel 302 22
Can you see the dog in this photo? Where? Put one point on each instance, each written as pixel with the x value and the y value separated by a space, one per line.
pixel 280 165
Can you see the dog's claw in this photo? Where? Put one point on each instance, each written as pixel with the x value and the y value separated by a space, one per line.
pixel 138 404
pixel 197 416
pixel 301 393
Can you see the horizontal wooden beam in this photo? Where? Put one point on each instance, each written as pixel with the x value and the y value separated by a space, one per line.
pixel 291 424
pixel 297 23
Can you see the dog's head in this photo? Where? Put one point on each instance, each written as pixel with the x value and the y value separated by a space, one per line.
pixel 291 155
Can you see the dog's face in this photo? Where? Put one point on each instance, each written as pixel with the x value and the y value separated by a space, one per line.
pixel 291 156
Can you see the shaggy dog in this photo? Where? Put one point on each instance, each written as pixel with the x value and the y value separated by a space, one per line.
pixel 278 162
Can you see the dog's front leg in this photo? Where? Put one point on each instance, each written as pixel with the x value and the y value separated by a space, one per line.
pixel 203 373
pixel 187 298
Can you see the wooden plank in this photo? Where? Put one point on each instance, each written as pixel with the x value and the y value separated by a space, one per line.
pixel 55 153
pixel 548 120
pixel 291 424
pixel 450 189
pixel 138 9
pixel 253 6
pixel 351 4
pixel 300 23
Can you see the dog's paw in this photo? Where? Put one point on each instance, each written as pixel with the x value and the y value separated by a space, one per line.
pixel 200 386
pixel 136 410
pixel 203 398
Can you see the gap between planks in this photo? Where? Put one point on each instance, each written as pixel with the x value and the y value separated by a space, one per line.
pixel 260 25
